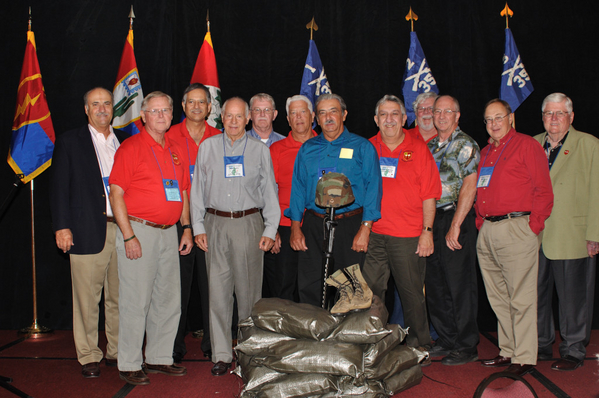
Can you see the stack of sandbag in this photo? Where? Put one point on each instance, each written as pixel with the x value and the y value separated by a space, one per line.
pixel 298 350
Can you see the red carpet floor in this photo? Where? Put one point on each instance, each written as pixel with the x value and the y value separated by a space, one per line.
pixel 47 367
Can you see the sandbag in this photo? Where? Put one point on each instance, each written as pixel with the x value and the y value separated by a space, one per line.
pixel 366 327
pixel 404 380
pixel 302 321
pixel 255 340
pixel 253 375
pixel 374 352
pixel 398 359
pixel 295 386
pixel 309 356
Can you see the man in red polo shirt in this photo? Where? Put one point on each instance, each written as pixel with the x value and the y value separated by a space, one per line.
pixel 402 239
pixel 148 194
pixel 514 198
pixel 280 264
pixel 189 134
pixel 423 107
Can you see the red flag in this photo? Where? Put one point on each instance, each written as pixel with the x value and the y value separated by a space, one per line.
pixel 206 74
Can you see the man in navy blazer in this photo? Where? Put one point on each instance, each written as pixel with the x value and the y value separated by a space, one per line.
pixel 84 226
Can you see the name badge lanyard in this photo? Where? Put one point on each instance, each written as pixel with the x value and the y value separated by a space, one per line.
pixel 171 187
pixel 191 167
pixel 548 152
pixel 324 170
pixel 104 179
pixel 388 165
pixel 234 164
pixel 484 179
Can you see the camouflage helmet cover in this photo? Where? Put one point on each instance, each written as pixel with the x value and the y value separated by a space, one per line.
pixel 334 190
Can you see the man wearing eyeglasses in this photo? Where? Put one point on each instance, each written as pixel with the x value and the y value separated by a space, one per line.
pixel 514 198
pixel 571 236
pixel 423 106
pixel 148 193
pixel 451 287
pixel 262 114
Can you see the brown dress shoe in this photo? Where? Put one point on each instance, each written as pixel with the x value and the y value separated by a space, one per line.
pixel 519 369
pixel 171 370
pixel 136 377
pixel 220 368
pixel 567 364
pixel 90 370
pixel 497 361
pixel 111 362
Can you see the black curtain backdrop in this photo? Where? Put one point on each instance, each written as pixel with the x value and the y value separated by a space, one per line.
pixel 261 46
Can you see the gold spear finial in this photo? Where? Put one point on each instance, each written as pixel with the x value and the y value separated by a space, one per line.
pixel 208 20
pixel 29 27
pixel 131 16
pixel 312 26
pixel 507 13
pixel 412 17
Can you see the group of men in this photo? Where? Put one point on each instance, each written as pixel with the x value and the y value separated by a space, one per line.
pixel 248 225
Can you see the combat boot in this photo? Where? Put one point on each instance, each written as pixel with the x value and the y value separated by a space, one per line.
pixel 344 287
pixel 362 298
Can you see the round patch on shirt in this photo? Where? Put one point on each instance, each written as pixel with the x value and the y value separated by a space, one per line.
pixel 176 159
pixel 566 152
pixel 407 156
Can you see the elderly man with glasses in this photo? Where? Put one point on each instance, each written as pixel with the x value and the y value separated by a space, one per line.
pixel 423 107
pixel 514 198
pixel 262 113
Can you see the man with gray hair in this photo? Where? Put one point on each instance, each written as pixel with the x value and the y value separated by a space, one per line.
pixel 423 107
pixel 280 265
pixel 262 113
pixel 148 193
pixel 235 215
pixel 571 236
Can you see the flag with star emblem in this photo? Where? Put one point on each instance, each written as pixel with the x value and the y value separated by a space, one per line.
pixel 515 82
pixel 205 73
pixel 32 141
pixel 314 80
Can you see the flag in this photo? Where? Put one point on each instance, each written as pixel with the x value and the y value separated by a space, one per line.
pixel 32 142
pixel 314 80
pixel 515 82
pixel 127 92
pixel 205 73
pixel 417 78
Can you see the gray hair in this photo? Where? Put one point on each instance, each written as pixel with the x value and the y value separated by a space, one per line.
pixel 298 98
pixel 247 108
pixel 97 88
pixel 423 97
pixel 558 97
pixel 325 97
pixel 196 86
pixel 455 101
pixel 264 97
pixel 390 98
pixel 155 94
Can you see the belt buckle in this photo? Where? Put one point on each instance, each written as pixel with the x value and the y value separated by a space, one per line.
pixel 232 212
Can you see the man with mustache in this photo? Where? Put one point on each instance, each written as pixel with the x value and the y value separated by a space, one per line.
pixel 423 106
pixel 262 113
pixel 335 150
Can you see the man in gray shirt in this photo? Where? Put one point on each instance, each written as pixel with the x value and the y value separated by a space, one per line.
pixel 233 183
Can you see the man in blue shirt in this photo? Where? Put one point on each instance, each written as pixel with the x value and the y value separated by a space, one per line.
pixel 335 150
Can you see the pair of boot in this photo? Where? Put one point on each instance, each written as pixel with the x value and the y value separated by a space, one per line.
pixel 354 293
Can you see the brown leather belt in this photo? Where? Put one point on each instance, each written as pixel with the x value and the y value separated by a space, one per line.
pixel 232 214
pixel 110 219
pixel 149 223
pixel 506 216
pixel 338 216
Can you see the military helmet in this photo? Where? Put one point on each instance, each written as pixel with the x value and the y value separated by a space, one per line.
pixel 334 190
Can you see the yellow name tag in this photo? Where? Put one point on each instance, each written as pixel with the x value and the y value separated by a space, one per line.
pixel 346 153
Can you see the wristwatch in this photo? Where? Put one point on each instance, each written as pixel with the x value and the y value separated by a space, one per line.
pixel 367 224
pixel 430 229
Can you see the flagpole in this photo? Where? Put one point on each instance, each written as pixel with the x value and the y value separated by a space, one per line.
pixel 507 12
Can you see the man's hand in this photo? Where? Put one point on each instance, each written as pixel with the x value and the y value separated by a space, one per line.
pixel 425 244
pixel 133 249
pixel 297 241
pixel 592 248
pixel 277 246
pixel 360 243
pixel 64 239
pixel 186 242
pixel 202 241
pixel 266 243
pixel 452 238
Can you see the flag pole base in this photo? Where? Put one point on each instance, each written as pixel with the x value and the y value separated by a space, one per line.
pixel 36 331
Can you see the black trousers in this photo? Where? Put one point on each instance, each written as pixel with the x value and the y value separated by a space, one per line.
pixel 280 270
pixel 451 285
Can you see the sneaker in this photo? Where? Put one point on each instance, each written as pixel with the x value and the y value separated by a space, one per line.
pixel 459 358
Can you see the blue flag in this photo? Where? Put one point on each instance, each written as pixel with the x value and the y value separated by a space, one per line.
pixel 417 78
pixel 314 80
pixel 515 83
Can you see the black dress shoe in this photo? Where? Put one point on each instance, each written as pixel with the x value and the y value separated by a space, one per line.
pixel 459 358
pixel 208 354
pixel 220 368
pixel 90 370
pixel 497 361
pixel 519 369
pixel 136 377
pixel 567 364
pixel 177 358
pixel 542 356
pixel 438 351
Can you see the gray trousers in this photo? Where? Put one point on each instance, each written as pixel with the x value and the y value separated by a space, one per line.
pixel 575 286
pixel 234 263
pixel 149 298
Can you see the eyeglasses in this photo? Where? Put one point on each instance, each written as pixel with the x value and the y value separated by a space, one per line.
pixel 156 112
pixel 496 119
pixel 257 111
pixel 558 114
pixel 447 112
pixel 422 109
